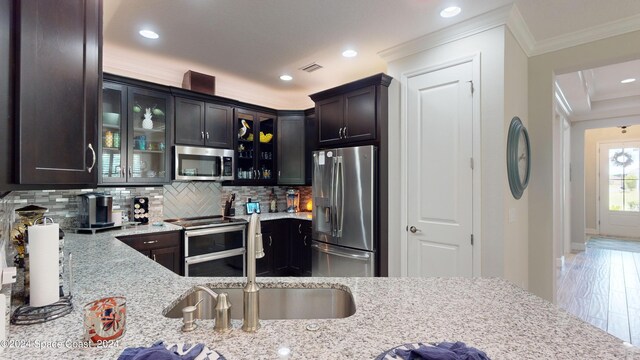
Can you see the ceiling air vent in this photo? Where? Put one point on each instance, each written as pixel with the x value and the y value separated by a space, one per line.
pixel 311 67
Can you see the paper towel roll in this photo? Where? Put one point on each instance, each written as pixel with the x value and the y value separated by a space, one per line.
pixel 43 264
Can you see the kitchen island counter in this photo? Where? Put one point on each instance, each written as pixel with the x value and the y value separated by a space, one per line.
pixel 491 314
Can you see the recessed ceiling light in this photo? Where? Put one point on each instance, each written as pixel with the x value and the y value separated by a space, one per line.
pixel 451 11
pixel 286 77
pixel 349 53
pixel 149 34
pixel 629 80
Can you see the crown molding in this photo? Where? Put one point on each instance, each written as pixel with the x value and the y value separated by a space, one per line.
pixel 599 32
pixel 472 26
pixel 520 30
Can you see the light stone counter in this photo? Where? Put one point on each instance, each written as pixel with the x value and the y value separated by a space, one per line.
pixel 490 314
pixel 279 215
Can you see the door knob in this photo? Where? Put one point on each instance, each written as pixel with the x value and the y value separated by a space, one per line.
pixel 414 229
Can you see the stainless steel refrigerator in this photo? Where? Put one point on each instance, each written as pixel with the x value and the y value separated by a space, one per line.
pixel 344 210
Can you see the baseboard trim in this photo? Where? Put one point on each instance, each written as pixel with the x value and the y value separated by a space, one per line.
pixel 590 231
pixel 578 246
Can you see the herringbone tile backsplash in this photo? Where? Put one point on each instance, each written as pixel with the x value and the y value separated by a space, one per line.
pixel 189 199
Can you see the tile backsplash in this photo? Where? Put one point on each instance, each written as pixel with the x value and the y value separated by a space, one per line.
pixel 63 205
pixel 179 199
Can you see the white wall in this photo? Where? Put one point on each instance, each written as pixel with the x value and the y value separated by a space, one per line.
pixel 541 76
pixel 516 214
pixel 583 160
pixel 490 45
pixel 169 71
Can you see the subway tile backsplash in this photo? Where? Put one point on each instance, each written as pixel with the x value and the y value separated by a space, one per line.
pixel 179 199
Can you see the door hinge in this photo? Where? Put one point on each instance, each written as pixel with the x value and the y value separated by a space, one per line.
pixel 472 88
pixel 471 239
pixel 471 163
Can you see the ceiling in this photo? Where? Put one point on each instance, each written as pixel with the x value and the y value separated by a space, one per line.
pixel 598 93
pixel 255 41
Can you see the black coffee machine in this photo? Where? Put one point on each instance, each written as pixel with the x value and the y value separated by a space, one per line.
pixel 95 210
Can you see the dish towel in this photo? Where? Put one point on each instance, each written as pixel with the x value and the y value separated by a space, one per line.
pixel 163 351
pixel 443 351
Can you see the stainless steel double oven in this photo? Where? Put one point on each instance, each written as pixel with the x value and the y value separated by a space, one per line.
pixel 213 246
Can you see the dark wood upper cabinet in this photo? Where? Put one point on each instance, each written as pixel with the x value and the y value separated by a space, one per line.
pixel 256 155
pixel 189 122
pixel 351 114
pixel 6 95
pixel 135 132
pixel 203 124
pixel 330 114
pixel 218 126
pixel 291 148
pixel 58 85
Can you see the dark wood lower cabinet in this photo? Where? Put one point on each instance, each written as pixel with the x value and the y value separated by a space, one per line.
pixel 162 247
pixel 287 248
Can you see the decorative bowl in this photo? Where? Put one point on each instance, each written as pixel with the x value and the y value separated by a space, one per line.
pixel 109 118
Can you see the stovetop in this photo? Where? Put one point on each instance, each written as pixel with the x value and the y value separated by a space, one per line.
pixel 205 222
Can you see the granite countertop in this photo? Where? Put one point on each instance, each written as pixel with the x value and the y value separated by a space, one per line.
pixel 491 314
pixel 279 215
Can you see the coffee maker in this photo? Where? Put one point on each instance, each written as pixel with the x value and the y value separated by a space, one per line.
pixel 95 210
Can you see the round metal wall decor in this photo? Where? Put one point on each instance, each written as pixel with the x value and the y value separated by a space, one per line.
pixel 518 157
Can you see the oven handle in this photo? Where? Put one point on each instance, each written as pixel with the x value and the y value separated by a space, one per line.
pixel 214 256
pixel 214 230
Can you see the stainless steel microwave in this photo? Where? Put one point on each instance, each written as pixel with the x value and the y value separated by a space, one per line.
pixel 205 164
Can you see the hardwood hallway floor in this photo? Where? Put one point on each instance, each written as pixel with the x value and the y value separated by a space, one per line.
pixel 602 287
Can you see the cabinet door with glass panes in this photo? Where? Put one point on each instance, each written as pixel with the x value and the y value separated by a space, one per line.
pixel 255 150
pixel 150 114
pixel 113 136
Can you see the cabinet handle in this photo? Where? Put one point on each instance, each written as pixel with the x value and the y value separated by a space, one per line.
pixel 202 135
pixel 154 258
pixel 130 172
pixel 151 242
pixel 207 135
pixel 340 133
pixel 299 228
pixel 122 171
pixel 305 240
pixel 344 132
pixel 270 241
pixel 93 152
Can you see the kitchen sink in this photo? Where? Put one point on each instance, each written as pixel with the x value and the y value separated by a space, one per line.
pixel 275 303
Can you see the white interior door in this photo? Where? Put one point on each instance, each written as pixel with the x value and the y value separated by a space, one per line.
pixel 619 194
pixel 440 182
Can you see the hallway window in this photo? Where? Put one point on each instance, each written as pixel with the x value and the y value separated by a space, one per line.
pixel 623 179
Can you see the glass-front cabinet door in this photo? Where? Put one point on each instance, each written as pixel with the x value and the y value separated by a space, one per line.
pixel 149 112
pixel 255 150
pixel 113 130
pixel 266 143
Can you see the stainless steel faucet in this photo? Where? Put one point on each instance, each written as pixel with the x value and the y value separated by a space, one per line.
pixel 222 311
pixel 251 297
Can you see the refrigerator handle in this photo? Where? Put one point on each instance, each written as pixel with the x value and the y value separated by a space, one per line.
pixel 332 196
pixel 340 182
pixel 345 254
